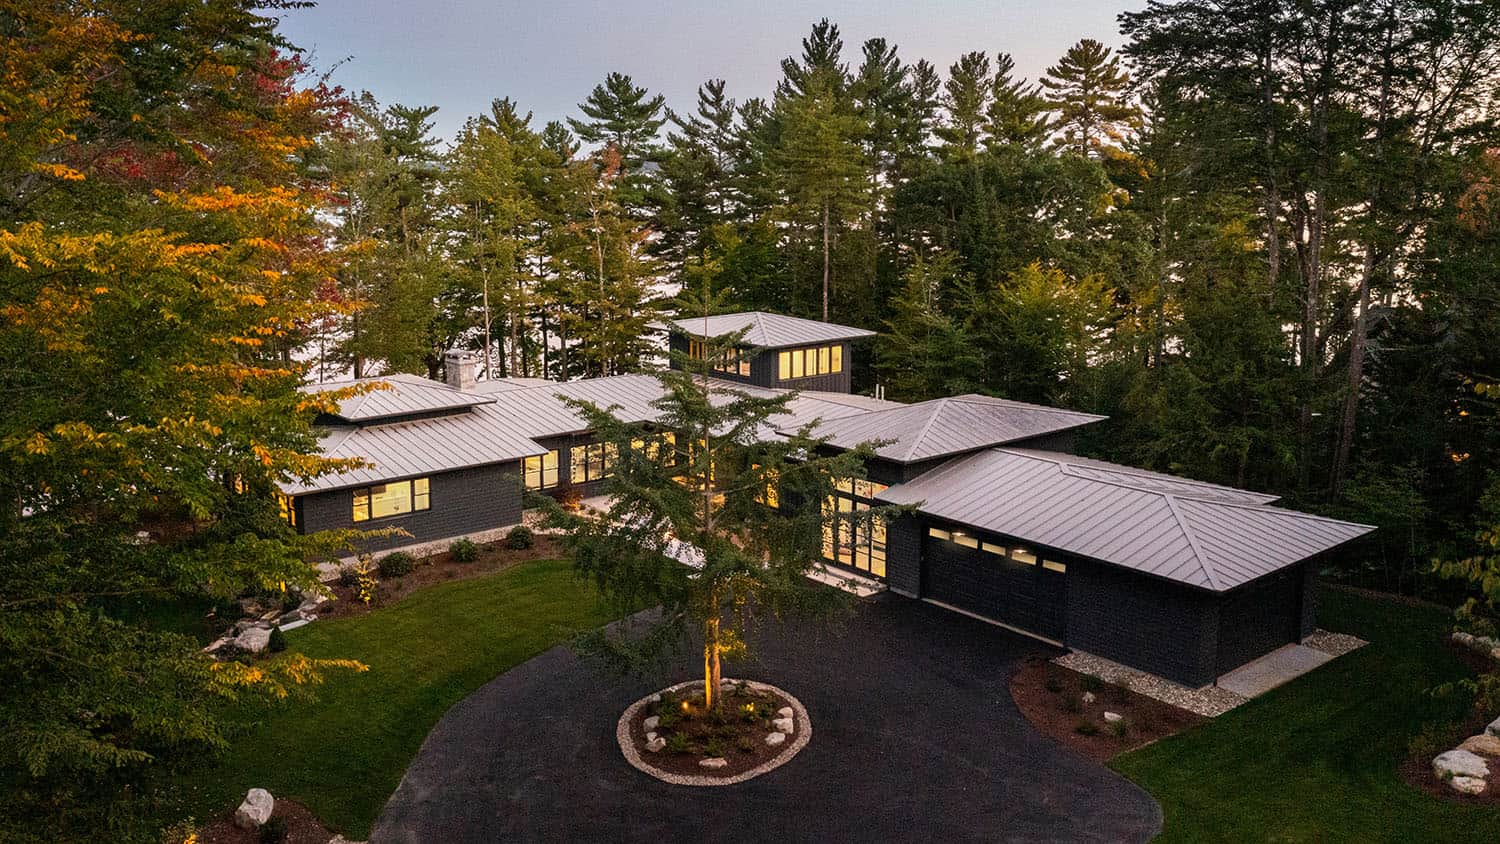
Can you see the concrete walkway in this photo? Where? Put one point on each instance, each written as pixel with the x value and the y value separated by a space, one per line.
pixel 1276 668
pixel 915 739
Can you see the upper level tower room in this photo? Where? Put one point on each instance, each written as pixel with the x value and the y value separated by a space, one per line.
pixel 775 351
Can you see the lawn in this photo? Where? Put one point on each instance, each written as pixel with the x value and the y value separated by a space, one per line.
pixel 344 753
pixel 1316 760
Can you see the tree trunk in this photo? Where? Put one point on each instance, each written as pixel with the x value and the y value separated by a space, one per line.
pixel 825 260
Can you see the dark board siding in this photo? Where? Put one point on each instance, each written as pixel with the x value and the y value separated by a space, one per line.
pixel 1167 629
pixel 1309 607
pixel 1260 617
pixel 764 371
pixel 466 501
pixel 903 555
pixel 1059 441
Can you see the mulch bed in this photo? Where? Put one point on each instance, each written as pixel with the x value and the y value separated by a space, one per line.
pixel 301 827
pixel 732 733
pixel 1051 698
pixel 441 568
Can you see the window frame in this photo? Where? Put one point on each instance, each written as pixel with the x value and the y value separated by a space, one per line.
pixel 541 470
pixel 418 499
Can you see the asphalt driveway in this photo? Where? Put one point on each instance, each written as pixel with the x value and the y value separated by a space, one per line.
pixel 915 738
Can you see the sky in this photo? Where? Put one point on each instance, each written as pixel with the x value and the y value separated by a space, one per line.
pixel 461 54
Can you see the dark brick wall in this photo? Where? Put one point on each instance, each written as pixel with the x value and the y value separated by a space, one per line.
pixel 903 555
pixel 465 501
pixel 1157 626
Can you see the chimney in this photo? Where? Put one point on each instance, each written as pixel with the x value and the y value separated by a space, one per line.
pixel 460 369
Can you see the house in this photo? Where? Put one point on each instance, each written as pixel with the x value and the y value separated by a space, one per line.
pixel 1183 579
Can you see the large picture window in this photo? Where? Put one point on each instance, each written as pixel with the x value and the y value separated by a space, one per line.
pixel 393 499
pixel 540 472
pixel 851 537
pixel 806 363
pixel 592 462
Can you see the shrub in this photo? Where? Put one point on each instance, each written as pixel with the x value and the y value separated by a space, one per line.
pixel 1073 703
pixel 714 747
pixel 349 577
pixel 290 600
pixel 678 743
pixel 520 538
pixel 278 640
pixel 1087 728
pixel 464 551
pixel 273 831
pixel 396 564
pixel 1432 740
pixel 745 744
pixel 1119 728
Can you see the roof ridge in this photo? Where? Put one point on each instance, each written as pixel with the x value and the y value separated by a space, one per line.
pixel 926 426
pixel 970 398
pixel 1064 466
pixel 1187 532
pixel 1244 505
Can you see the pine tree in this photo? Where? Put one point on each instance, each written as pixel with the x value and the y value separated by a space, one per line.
pixel 1017 114
pixel 1089 92
pixel 624 116
pixel 966 98
pixel 925 353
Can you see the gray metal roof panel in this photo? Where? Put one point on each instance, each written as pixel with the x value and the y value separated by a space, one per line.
pixel 1205 535
pixel 398 394
pixel 766 330
pixel 941 427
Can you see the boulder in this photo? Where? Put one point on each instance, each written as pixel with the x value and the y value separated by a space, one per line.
pixel 713 762
pixel 1494 728
pixel 255 810
pixel 656 698
pixel 1484 745
pixel 775 738
pixel 1467 785
pixel 254 639
pixel 650 723
pixel 1465 639
pixel 1113 717
pixel 1459 763
pixel 784 712
pixel 1088 698
pixel 650 737
pixel 655 745
pixel 785 725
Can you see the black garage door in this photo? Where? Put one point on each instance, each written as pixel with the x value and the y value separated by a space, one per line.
pixel 1259 618
pixel 1008 584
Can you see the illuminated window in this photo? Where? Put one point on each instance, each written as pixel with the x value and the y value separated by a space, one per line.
pixel 851 536
pixel 541 471
pixel 991 548
pixel 937 533
pixel 784 365
pixel 393 499
pixel 1052 565
pixel 965 540
pixel 836 363
pixel 806 363
pixel 592 462
pixel 288 507
pixel 1021 555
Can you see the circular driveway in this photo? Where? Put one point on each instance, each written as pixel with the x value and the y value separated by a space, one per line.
pixel 915 739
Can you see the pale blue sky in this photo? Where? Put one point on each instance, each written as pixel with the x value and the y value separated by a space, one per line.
pixel 460 54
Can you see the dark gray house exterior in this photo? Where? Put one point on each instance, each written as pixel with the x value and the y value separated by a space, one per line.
pixel 1001 521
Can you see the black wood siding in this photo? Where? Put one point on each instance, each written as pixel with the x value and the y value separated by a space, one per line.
pixel 764 369
pixel 1154 625
pixel 465 501
pixel 1260 617
pixel 903 555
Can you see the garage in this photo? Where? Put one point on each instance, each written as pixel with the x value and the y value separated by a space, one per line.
pixel 996 579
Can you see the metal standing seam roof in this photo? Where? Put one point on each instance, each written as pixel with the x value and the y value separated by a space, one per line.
pixel 403 395
pixel 765 330
pixel 477 437
pixel 941 427
pixel 1204 535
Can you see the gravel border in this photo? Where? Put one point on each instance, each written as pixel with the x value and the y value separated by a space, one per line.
pixel 801 737
pixel 1209 701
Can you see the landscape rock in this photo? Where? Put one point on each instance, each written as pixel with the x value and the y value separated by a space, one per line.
pixel 656 698
pixel 655 745
pixel 1113 717
pixel 650 723
pixel 785 725
pixel 1495 654
pixel 1088 698
pixel 713 762
pixel 1484 745
pixel 1467 785
pixel 650 737
pixel 254 639
pixel 775 738
pixel 255 810
pixel 217 643
pixel 1463 638
pixel 784 712
pixel 1494 728
pixel 1459 763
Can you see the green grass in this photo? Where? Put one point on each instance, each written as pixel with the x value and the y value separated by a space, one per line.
pixel 1317 759
pixel 344 753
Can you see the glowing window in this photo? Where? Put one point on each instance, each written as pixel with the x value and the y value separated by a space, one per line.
pixel 965 540
pixel 936 533
pixel 1021 555
pixel 991 548
pixel 1052 565
pixel 393 499
pixel 541 471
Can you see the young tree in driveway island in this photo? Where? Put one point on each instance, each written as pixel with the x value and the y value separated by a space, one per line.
pixel 723 486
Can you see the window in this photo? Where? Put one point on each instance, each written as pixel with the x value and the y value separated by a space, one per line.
pixel 851 536
pixel 733 362
pixel 1052 565
pixel 592 462
pixel 541 472
pixel 991 548
pixel 393 499
pixel 697 350
pixel 965 540
pixel 937 533
pixel 1021 555
pixel 805 363
pixel 288 507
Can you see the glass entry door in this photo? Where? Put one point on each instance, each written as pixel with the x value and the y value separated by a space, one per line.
pixel 851 537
